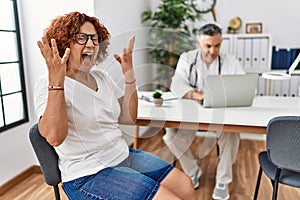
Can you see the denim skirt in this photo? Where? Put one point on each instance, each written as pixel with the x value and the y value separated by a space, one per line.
pixel 138 177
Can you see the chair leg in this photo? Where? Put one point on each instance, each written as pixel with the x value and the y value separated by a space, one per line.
pixel 257 183
pixel 56 192
pixel 272 181
pixel 275 187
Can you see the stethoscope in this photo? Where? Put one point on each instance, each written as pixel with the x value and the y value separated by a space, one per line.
pixel 192 68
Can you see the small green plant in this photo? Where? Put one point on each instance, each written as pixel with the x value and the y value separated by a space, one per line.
pixel 157 94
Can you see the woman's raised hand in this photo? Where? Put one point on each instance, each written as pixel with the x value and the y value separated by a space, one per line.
pixel 56 65
pixel 126 59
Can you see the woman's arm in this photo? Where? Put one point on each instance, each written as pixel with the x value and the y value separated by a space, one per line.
pixel 53 124
pixel 129 102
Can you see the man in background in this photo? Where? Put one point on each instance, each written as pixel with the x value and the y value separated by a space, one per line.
pixel 188 82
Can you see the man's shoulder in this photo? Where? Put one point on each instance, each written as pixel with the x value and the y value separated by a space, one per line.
pixel 227 56
pixel 232 61
pixel 190 54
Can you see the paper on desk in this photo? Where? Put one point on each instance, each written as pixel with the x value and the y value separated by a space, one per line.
pixel 147 96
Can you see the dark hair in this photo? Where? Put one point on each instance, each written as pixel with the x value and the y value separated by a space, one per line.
pixel 64 28
pixel 210 29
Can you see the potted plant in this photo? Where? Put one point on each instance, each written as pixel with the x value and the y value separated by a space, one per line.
pixel 170 35
pixel 157 97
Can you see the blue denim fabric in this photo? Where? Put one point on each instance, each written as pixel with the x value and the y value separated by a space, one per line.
pixel 138 177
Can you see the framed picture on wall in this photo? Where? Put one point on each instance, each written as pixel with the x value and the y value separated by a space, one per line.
pixel 254 27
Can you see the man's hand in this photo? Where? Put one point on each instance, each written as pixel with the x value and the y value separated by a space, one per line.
pixel 195 95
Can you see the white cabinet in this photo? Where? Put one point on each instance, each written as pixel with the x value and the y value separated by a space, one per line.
pixel 288 87
pixel 254 51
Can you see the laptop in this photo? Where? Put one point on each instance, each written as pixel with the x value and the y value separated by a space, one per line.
pixel 230 90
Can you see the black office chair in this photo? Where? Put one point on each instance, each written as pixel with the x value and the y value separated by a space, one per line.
pixel 281 161
pixel 47 158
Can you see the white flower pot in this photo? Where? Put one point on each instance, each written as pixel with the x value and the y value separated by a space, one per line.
pixel 158 102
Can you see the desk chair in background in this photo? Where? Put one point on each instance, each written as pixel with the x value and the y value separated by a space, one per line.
pixel 281 161
pixel 47 158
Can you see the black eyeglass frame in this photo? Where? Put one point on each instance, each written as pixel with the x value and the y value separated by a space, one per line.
pixel 87 36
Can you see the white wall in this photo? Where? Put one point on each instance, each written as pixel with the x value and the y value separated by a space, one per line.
pixel 123 19
pixel 279 18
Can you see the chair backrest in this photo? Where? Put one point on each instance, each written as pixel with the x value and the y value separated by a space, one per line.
pixel 46 155
pixel 283 142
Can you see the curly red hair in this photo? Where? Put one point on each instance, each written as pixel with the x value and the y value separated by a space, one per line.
pixel 64 29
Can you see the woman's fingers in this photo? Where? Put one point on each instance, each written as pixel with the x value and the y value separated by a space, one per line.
pixel 127 52
pixel 126 59
pixel 51 54
pixel 118 58
pixel 45 44
pixel 65 56
pixel 54 47
pixel 41 47
pixel 131 43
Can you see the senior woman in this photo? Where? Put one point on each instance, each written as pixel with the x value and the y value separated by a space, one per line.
pixel 79 109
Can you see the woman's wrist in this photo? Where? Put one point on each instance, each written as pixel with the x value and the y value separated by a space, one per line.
pixel 129 76
pixel 130 82
pixel 56 81
pixel 56 85
pixel 53 87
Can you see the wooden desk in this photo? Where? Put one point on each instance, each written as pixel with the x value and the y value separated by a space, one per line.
pixel 189 114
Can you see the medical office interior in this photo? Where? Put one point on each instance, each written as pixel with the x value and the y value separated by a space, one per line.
pixel 274 48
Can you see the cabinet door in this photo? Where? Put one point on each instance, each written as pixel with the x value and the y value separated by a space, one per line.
pixel 256 52
pixel 253 51
pixel 248 53
pixel 264 53
pixel 294 86
pixel 285 87
pixel 261 88
pixel 240 51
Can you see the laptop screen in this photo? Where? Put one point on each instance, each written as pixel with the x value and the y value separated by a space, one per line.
pixel 230 90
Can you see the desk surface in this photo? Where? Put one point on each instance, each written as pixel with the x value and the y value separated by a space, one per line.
pixel 191 112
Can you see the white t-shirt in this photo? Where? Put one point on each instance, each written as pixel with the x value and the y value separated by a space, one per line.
pixel 183 76
pixel 94 139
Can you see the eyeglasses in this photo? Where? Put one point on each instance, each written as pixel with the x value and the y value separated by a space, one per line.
pixel 82 38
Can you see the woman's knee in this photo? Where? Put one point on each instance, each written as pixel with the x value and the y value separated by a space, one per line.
pixel 186 184
pixel 163 193
pixel 187 188
pixel 180 184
